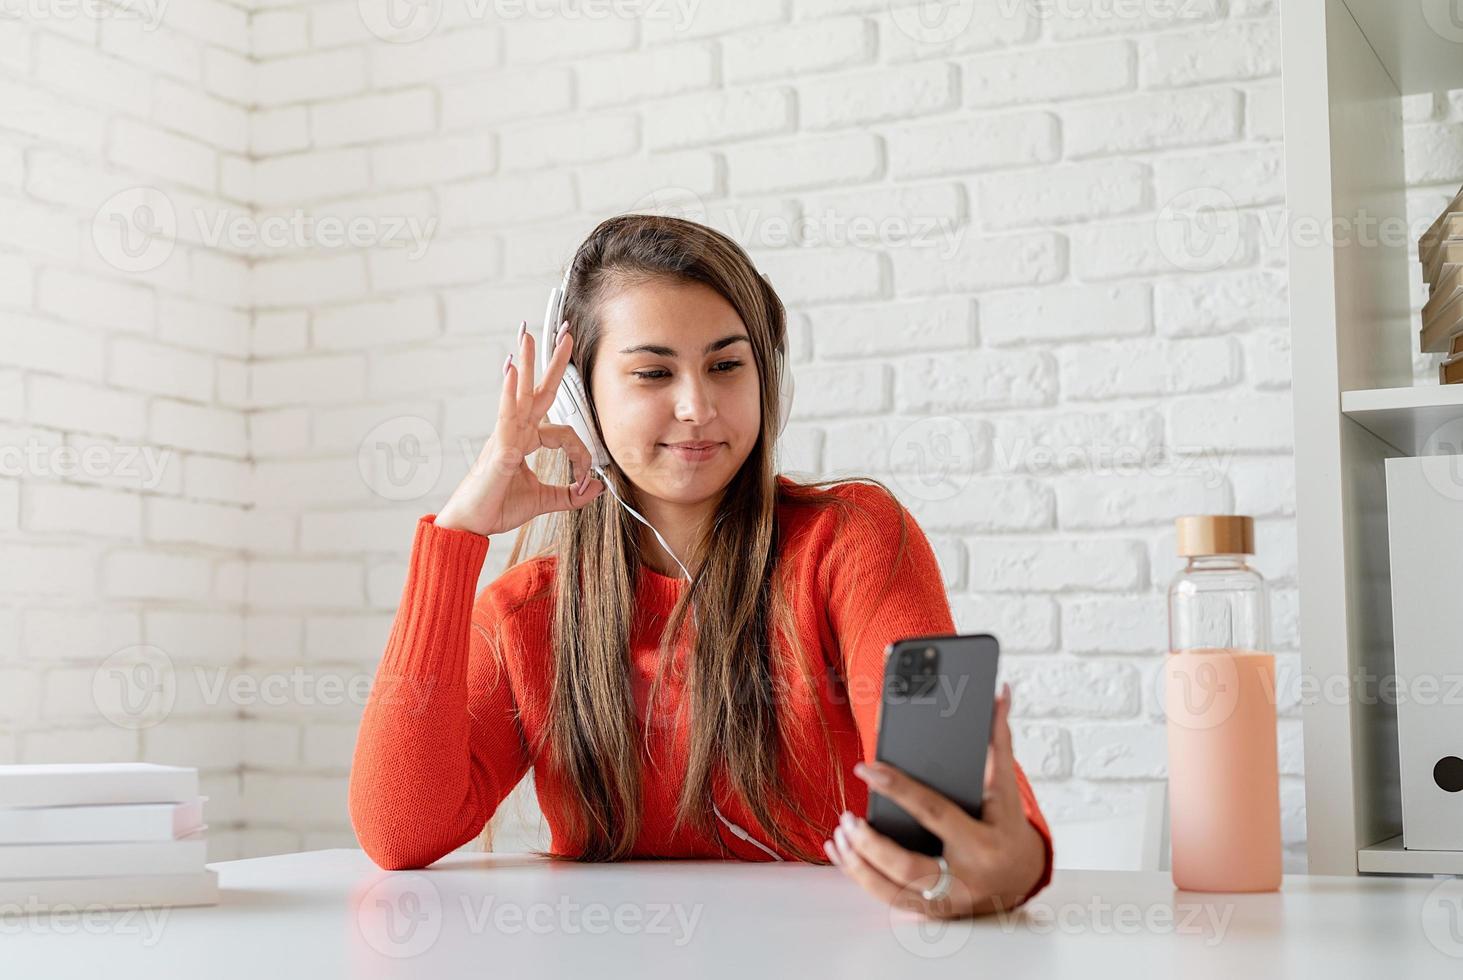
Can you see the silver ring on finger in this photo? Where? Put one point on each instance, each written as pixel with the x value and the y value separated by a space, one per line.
pixel 942 884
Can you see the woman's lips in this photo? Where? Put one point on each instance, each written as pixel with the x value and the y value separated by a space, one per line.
pixel 694 455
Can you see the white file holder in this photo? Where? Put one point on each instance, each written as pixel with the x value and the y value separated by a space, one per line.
pixel 1425 545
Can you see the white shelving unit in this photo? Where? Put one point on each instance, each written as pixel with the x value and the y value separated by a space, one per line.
pixel 1347 63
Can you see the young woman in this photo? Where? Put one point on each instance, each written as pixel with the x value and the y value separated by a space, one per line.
pixel 713 714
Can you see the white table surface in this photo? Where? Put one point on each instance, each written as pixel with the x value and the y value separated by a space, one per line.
pixel 326 914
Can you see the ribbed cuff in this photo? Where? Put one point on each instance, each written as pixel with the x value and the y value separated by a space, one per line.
pixel 430 639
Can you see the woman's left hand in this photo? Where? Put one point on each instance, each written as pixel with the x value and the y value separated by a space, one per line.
pixel 994 860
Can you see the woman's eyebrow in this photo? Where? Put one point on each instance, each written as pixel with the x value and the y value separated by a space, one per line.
pixel 660 351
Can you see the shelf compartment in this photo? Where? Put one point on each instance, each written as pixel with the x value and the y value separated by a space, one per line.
pixel 1417 41
pixel 1419 420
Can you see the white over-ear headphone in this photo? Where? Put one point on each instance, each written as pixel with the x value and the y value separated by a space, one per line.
pixel 571 408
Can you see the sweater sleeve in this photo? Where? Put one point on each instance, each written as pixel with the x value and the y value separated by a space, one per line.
pixel 879 593
pixel 440 745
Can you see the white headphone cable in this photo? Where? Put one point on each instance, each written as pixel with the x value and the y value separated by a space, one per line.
pixel 737 831
pixel 611 487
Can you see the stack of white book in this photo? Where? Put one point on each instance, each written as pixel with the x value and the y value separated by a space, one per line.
pixel 102 835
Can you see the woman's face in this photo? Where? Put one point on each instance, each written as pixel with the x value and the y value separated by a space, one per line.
pixel 675 365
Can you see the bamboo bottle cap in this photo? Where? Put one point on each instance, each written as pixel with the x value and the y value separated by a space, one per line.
pixel 1215 534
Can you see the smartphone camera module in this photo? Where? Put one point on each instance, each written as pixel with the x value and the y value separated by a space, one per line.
pixel 917 672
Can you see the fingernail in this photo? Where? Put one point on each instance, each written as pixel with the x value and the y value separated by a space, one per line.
pixel 842 839
pixel 507 363
pixel 1006 691
pixel 870 775
pixel 847 821
pixel 522 329
pixel 832 854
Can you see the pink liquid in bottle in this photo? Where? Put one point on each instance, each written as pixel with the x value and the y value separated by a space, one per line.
pixel 1219 699
pixel 1224 785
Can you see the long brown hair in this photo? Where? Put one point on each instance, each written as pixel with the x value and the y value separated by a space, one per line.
pixel 735 730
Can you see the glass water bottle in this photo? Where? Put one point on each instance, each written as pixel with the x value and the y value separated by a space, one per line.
pixel 1219 698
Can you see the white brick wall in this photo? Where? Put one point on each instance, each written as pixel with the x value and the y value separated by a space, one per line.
pixel 116 526
pixel 962 223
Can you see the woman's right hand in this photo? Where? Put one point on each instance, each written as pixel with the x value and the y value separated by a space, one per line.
pixel 500 491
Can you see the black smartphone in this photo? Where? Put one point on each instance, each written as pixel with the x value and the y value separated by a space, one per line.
pixel 935 725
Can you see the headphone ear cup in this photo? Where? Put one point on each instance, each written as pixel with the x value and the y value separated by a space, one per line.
pixel 785 394
pixel 571 408
pixel 571 401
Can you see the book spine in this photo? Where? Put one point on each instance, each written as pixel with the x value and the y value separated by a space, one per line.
pixel 78 790
pixel 90 824
pixel 133 891
pixel 94 860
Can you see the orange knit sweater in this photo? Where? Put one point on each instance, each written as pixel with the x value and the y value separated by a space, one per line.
pixel 445 735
